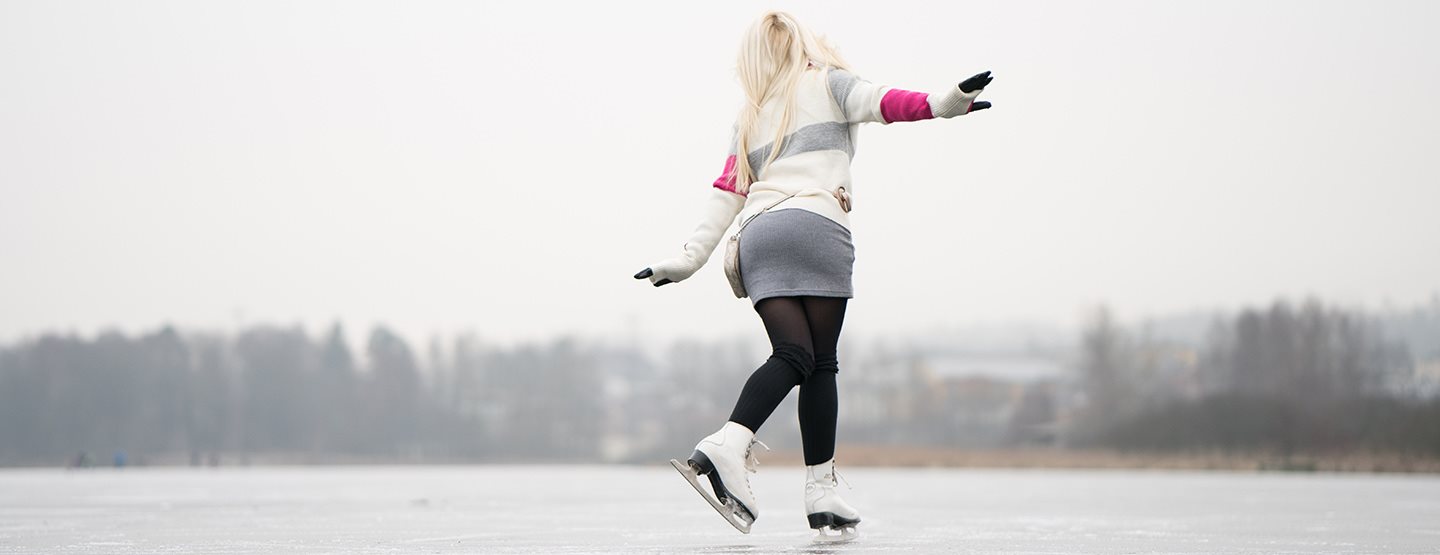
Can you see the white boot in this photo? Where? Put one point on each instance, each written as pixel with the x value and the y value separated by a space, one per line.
pixel 823 505
pixel 726 458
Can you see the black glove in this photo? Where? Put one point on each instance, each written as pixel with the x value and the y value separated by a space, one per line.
pixel 981 105
pixel 647 273
pixel 975 83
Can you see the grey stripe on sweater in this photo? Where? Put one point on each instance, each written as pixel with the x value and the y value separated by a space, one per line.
pixel 841 83
pixel 830 135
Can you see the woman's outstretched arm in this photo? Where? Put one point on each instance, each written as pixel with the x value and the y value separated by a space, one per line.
pixel 862 101
pixel 720 210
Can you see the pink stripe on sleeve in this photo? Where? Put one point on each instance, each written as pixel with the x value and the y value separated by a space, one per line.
pixel 903 105
pixel 726 181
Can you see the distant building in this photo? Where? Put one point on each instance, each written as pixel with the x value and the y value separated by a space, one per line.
pixel 955 400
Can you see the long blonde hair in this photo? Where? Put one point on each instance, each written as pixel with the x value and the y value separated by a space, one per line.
pixel 774 53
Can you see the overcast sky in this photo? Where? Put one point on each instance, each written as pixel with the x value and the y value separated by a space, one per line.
pixel 444 167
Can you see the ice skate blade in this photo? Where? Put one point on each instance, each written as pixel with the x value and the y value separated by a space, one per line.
pixel 844 534
pixel 727 509
pixel 830 527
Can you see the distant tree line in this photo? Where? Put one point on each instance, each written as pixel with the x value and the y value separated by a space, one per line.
pixel 1286 378
pixel 279 394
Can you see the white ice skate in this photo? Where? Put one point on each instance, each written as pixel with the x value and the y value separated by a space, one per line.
pixel 829 515
pixel 726 458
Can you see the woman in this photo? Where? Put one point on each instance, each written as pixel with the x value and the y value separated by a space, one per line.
pixel 796 255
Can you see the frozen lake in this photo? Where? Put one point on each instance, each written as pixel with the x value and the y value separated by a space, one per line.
pixel 599 509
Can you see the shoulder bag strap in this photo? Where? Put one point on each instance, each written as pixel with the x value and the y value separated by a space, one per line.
pixel 767 208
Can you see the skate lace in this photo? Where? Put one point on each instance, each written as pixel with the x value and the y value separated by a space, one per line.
pixel 836 478
pixel 751 462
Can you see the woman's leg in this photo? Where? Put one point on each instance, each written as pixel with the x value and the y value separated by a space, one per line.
pixel 792 359
pixel 819 399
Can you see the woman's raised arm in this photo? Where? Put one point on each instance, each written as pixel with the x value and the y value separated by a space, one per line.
pixel 862 101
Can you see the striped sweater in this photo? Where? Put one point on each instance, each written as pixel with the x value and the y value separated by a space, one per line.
pixel 814 158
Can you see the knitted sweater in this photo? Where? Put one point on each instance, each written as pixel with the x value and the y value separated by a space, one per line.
pixel 814 158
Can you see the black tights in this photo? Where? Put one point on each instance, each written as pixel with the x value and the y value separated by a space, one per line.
pixel 803 333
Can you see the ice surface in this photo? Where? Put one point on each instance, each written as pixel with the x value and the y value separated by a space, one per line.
pixel 589 509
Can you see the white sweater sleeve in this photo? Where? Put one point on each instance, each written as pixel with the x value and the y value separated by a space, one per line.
pixel 719 212
pixel 862 101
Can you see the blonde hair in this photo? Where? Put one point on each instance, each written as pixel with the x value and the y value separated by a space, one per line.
pixel 773 55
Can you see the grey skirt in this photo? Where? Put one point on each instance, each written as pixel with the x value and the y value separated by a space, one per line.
pixel 792 252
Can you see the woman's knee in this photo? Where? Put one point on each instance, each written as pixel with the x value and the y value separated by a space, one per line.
pixel 797 357
pixel 827 362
